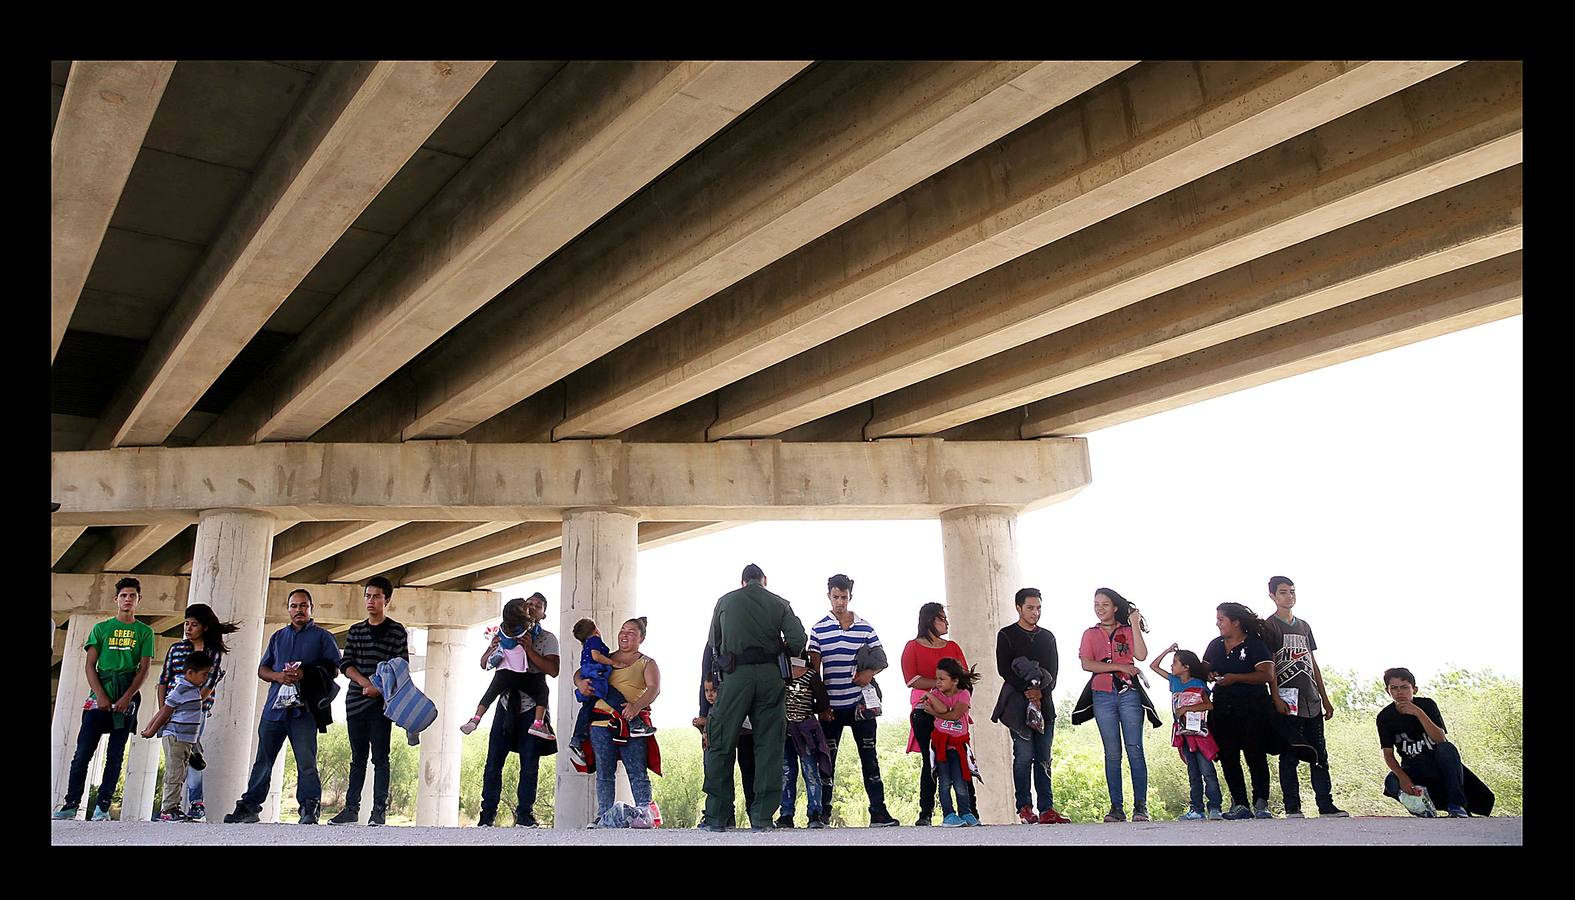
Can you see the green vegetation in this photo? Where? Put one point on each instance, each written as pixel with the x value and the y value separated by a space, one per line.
pixel 1483 711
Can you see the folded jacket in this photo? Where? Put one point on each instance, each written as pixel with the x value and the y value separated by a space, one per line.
pixel 403 702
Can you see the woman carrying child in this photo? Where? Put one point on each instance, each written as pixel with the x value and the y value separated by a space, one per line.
pixel 1189 706
pixel 948 703
pixel 638 679
pixel 919 659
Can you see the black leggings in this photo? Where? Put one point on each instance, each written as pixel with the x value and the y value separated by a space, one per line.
pixel 510 680
pixel 1242 724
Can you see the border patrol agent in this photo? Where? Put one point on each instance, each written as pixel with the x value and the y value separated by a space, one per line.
pixel 750 630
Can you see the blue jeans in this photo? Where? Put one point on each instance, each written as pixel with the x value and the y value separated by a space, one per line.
pixel 510 734
pixel 302 732
pixel 791 761
pixel 1033 755
pixel 1120 720
pixel 948 778
pixel 1443 774
pixel 194 776
pixel 632 753
pixel 95 724
pixel 1200 775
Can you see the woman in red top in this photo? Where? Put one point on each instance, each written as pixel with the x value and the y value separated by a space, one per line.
pixel 1109 650
pixel 918 668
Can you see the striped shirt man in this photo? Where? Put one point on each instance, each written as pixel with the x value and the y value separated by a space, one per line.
pixel 365 647
pixel 839 649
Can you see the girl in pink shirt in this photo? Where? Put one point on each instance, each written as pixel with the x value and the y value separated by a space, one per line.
pixel 948 702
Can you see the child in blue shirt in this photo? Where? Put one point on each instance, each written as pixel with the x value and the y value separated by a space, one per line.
pixel 596 665
pixel 1190 701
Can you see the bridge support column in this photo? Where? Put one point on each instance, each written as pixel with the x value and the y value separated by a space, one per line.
pixel 437 790
pixel 70 694
pixel 230 574
pixel 979 551
pixel 142 755
pixel 599 552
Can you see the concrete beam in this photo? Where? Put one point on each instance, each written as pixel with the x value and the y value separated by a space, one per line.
pixel 165 623
pixel 1485 292
pixel 1457 228
pixel 358 124
pixel 842 139
pixel 410 542
pixel 135 544
pixel 104 114
pixel 540 565
pixel 60 540
pixel 314 542
pixel 166 595
pixel 1448 130
pixel 509 483
pixel 592 137
pixel 1080 164
pixel 505 546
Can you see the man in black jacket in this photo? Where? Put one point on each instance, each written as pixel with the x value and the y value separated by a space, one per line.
pixel 1024 638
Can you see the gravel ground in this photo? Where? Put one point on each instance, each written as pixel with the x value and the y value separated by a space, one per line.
pixel 1375 831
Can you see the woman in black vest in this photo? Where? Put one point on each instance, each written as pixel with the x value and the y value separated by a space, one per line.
pixel 1242 720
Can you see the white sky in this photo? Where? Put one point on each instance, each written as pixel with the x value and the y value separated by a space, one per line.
pixel 1389 488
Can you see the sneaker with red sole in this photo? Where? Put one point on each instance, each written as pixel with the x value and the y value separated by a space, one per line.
pixel 1051 817
pixel 1025 816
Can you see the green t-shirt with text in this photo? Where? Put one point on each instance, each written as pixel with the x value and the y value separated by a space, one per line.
pixel 121 647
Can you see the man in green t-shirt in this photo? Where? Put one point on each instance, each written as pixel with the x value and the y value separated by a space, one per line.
pixel 119 651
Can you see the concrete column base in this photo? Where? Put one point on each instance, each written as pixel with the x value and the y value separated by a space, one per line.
pixel 979 548
pixel 599 555
pixel 142 756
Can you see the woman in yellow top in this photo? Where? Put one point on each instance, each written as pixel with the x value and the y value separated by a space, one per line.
pixel 640 681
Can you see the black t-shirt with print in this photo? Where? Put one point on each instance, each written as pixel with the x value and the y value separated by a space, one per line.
pixel 1242 660
pixel 1405 733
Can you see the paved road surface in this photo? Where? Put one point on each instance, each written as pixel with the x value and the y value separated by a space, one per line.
pixel 1375 831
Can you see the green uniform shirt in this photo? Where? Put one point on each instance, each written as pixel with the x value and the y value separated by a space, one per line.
pixel 121 648
pixel 754 617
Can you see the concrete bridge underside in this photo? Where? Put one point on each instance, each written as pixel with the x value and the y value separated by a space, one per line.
pixel 461 323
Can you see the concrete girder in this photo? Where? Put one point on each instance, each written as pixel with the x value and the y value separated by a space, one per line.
pixel 167 595
pixel 407 543
pixel 539 565
pixel 104 115
pixel 1485 292
pixel 137 543
pixel 314 542
pixel 509 483
pixel 496 549
pixel 1080 164
pixel 1448 130
pixel 1457 228
pixel 165 623
pixel 593 136
pixel 60 540
pixel 841 140
pixel 358 124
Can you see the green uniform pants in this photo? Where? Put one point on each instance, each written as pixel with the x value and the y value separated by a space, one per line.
pixel 755 690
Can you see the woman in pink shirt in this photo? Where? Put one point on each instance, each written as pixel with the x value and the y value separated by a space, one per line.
pixel 1109 650
pixel 919 659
